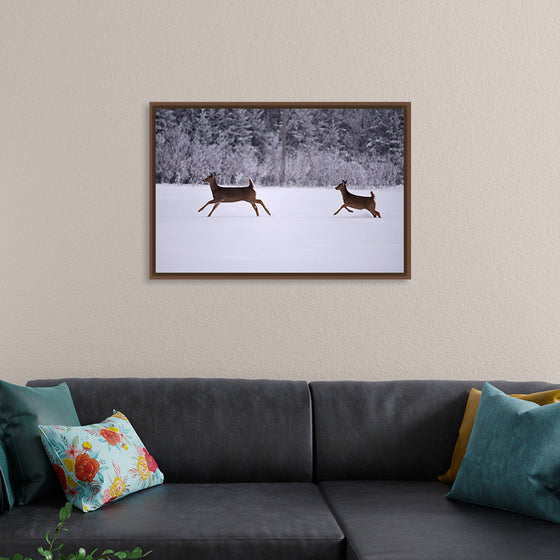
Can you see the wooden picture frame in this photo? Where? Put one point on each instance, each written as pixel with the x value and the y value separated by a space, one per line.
pixel 286 159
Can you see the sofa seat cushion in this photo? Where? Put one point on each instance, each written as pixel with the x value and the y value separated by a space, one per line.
pixel 412 520
pixel 192 521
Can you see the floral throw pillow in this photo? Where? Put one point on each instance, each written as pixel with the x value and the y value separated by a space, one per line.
pixel 99 463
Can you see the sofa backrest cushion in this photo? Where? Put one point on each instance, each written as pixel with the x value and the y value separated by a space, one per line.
pixel 208 430
pixel 400 430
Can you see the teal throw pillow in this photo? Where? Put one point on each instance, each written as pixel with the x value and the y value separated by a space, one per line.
pixel 513 457
pixel 21 410
pixel 7 497
pixel 99 463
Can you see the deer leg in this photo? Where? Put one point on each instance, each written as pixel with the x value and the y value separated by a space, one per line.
pixel 209 202
pixel 254 207
pixel 343 206
pixel 215 206
pixel 258 201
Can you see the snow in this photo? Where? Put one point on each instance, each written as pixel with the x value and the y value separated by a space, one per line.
pixel 301 236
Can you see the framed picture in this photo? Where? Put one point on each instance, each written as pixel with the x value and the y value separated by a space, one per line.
pixel 280 190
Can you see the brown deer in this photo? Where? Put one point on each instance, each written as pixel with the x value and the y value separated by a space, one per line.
pixel 357 202
pixel 232 194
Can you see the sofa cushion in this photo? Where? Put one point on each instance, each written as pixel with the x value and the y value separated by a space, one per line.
pixel 541 398
pixel 99 463
pixel 209 430
pixel 21 410
pixel 513 457
pixel 399 430
pixel 276 521
pixel 411 520
pixel 7 496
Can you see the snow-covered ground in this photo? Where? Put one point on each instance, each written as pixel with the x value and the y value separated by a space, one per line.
pixel 301 235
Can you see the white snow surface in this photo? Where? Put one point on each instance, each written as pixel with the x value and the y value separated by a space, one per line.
pixel 301 236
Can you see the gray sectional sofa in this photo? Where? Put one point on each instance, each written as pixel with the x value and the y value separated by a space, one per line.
pixel 286 470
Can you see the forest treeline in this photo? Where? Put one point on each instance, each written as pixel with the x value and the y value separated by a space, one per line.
pixel 281 146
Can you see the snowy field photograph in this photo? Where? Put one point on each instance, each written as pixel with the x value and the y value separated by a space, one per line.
pixel 307 190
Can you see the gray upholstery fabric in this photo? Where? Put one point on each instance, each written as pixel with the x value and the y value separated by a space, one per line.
pixel 272 521
pixel 413 521
pixel 399 430
pixel 255 436
pixel 209 430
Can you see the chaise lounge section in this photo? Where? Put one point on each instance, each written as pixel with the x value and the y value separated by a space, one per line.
pixel 379 449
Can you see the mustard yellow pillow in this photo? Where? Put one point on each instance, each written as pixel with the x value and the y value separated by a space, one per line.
pixel 541 398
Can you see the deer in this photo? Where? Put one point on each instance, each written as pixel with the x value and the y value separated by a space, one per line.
pixel 358 202
pixel 232 194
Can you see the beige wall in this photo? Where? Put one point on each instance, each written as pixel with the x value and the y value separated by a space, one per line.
pixel 483 78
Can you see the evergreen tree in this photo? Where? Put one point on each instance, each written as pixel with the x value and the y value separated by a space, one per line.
pixel 307 146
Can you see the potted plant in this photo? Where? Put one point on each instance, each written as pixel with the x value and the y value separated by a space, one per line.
pixel 53 553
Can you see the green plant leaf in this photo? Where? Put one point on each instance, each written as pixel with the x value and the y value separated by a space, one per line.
pixel 46 554
pixel 82 554
pixel 65 512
